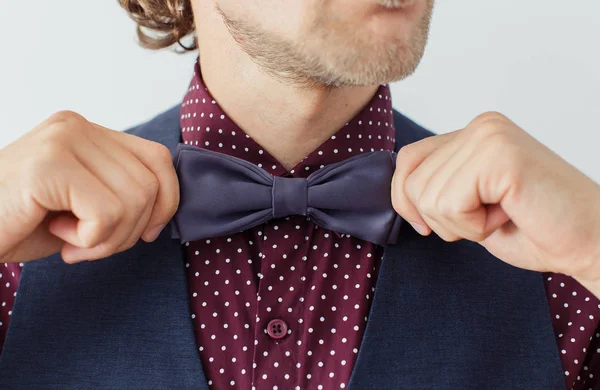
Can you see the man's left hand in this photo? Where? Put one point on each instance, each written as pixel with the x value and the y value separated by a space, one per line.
pixel 493 183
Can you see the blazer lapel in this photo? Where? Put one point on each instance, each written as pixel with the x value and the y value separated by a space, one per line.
pixel 122 322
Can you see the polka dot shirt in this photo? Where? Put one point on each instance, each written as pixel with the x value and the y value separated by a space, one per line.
pixel 315 284
pixel 575 317
pixel 9 281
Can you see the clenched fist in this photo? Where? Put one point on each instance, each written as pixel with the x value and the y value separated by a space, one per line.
pixel 72 186
pixel 493 183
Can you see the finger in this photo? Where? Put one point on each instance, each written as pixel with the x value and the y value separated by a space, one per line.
pixel 445 190
pixel 405 208
pixel 45 245
pixel 97 209
pixel 510 244
pixel 462 206
pixel 143 176
pixel 68 224
pixel 416 186
pixel 496 218
pixel 159 160
pixel 132 196
pixel 408 159
pixel 441 230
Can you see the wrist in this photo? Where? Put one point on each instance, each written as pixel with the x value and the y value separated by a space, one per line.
pixel 591 281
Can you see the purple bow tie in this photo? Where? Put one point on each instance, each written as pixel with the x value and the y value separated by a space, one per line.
pixel 222 194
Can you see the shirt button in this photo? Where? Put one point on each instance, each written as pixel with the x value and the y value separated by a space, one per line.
pixel 277 329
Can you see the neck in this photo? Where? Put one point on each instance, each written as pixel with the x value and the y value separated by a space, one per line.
pixel 289 121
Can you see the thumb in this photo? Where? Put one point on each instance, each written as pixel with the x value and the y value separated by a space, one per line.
pixel 26 237
pixel 496 217
pixel 509 244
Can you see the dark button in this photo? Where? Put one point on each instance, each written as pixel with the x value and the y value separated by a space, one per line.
pixel 277 329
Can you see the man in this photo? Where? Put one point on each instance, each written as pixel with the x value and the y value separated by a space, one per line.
pixel 317 288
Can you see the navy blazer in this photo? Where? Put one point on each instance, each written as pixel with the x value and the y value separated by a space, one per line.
pixel 443 316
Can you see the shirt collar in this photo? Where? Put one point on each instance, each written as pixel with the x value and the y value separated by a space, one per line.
pixel 204 124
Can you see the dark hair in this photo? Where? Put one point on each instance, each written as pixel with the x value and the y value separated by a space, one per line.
pixel 161 23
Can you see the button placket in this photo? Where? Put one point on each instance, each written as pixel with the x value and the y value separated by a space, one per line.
pixel 277 312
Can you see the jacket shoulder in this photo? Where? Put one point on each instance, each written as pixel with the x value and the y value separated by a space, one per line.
pixel 408 131
pixel 164 122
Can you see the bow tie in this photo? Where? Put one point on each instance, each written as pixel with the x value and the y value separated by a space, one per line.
pixel 222 194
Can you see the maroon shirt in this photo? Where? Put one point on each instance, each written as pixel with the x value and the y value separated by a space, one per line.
pixel 315 283
pixel 284 305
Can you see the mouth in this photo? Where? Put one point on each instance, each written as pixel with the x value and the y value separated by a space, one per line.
pixel 394 4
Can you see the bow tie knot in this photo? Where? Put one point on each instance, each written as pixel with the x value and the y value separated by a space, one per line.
pixel 290 196
pixel 222 194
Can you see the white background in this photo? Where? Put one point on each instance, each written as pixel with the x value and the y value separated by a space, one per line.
pixel 537 61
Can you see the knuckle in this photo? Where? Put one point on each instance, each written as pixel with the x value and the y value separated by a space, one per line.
pixel 499 142
pixel 111 215
pixel 448 210
pixel 405 153
pixel 150 184
pixel 59 128
pixel 162 153
pixel 144 194
pixel 140 199
pixel 65 118
pixel 494 127
pixel 490 117
pixel 427 207
pixel 429 211
pixel 490 133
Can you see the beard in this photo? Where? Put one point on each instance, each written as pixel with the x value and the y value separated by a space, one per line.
pixel 333 54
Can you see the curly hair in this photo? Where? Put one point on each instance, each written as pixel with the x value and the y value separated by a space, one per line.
pixel 161 23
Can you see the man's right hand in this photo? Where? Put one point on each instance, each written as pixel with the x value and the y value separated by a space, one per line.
pixel 74 187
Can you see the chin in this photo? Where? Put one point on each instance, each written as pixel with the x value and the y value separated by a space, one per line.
pixel 380 58
pixel 371 67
